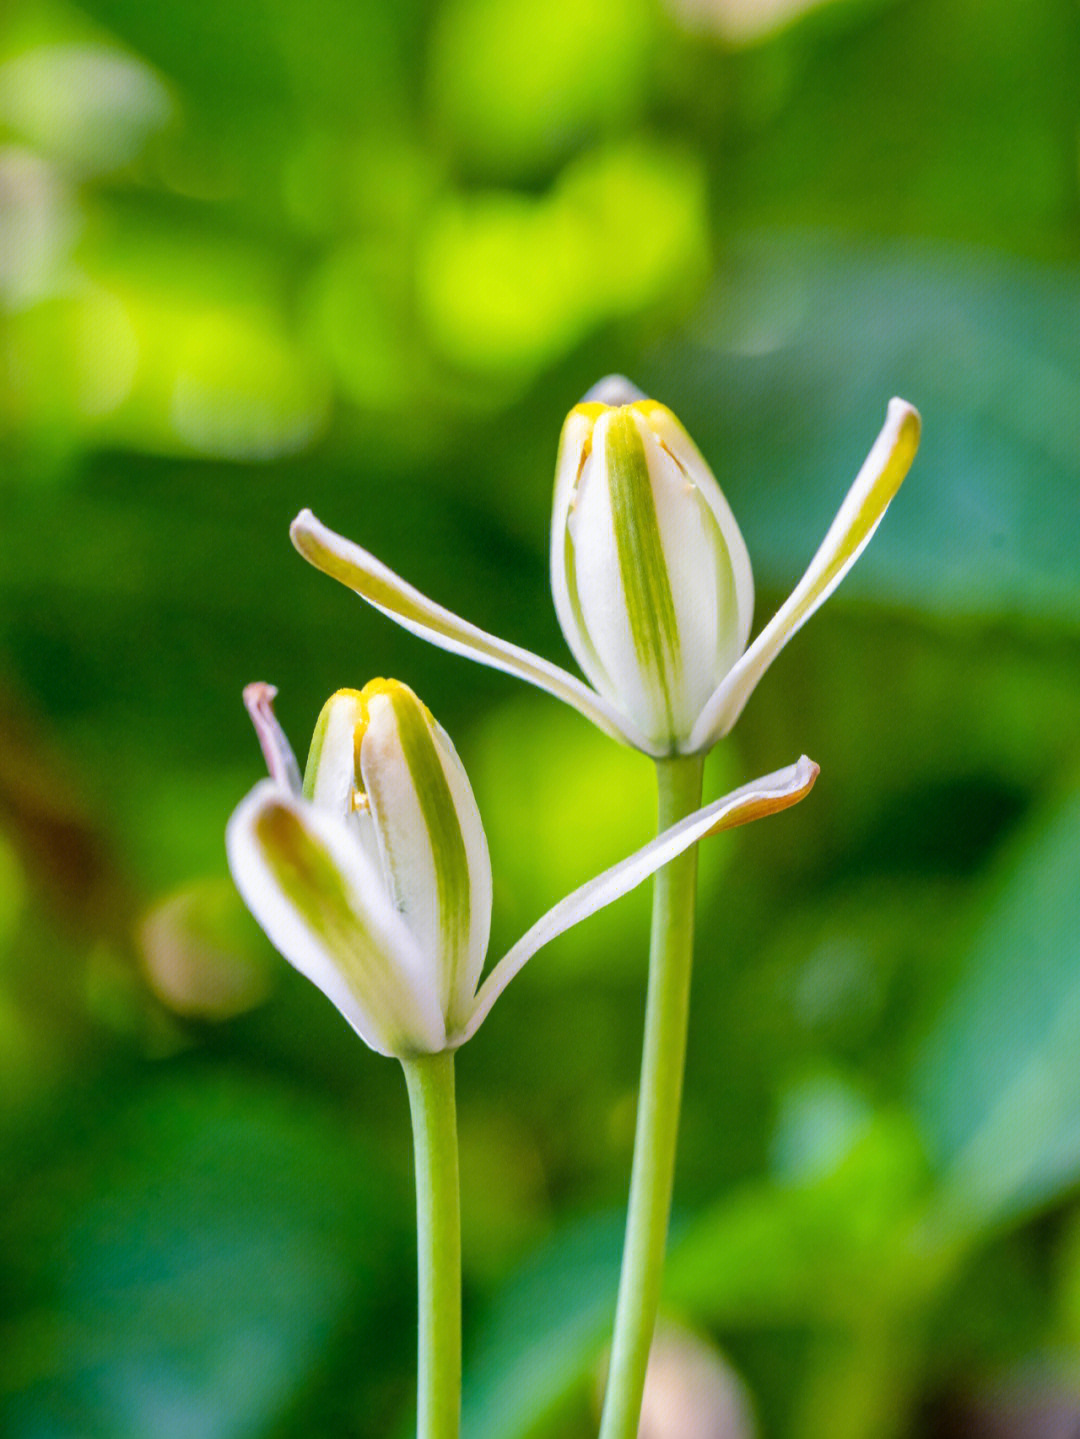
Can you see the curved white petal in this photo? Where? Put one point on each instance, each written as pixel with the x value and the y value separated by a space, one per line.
pixel 331 778
pixel 388 592
pixel 761 797
pixel 676 439
pixel 277 751
pixel 432 846
pixel 860 514
pixel 575 443
pixel 311 888
pixel 708 568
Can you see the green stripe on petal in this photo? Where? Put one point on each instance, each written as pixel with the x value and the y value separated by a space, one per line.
pixel 575 449
pixel 307 875
pixel 330 775
pixel 650 605
pixel 314 884
pixel 429 835
pixel 318 740
pixel 322 905
pixel 444 827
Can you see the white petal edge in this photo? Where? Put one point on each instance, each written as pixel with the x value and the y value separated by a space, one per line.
pixel 860 514
pixel 480 880
pixel 277 751
pixel 761 797
pixel 576 434
pixel 410 1019
pixel 330 776
pixel 381 587
pixel 670 430
pixel 408 850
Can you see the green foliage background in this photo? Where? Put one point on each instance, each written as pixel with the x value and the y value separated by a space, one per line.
pixel 364 258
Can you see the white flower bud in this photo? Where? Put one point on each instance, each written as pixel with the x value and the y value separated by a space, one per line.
pixel 650 575
pixel 649 572
pixel 380 758
pixel 373 880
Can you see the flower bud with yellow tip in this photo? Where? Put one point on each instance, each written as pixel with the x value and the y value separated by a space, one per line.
pixel 372 877
pixel 649 572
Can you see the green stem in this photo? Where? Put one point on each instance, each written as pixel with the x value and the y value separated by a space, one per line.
pixel 430 1078
pixel 662 1063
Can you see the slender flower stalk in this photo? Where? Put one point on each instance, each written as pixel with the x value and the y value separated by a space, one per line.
pixel 430 1079
pixel 663 1061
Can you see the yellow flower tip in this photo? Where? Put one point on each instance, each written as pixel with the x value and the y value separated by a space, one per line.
pixel 397 693
pixel 392 690
pixel 590 411
pixel 892 456
pixel 908 423
pixel 614 392
pixel 378 686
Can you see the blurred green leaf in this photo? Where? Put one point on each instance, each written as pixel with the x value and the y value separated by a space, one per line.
pixel 90 106
pixel 343 55
pixel 822 1251
pixel 916 118
pixel 183 1271
pixel 996 1078
pixel 817 1252
pixel 807 337
pixel 543 1335
pixel 509 282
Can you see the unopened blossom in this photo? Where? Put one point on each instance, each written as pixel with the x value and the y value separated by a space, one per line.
pixel 371 875
pixel 650 574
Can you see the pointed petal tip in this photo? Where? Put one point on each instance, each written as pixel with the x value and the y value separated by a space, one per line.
pixel 904 419
pixel 886 466
pixel 898 406
pixel 765 798
pixel 807 771
pixel 613 390
pixel 303 526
